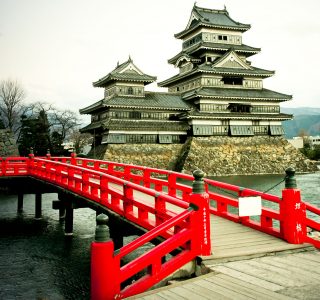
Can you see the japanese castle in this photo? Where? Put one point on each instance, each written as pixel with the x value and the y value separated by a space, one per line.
pixel 217 91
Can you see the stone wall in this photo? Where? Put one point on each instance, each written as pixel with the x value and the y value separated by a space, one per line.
pixel 216 156
pixel 244 155
pixel 162 156
pixel 8 146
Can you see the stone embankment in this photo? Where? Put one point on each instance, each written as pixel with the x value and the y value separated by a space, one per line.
pixel 153 155
pixel 8 146
pixel 217 156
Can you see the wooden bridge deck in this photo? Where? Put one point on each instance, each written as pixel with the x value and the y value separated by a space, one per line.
pixel 230 240
pixel 282 276
pixel 248 264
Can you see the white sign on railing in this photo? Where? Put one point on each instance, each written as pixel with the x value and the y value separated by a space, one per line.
pixel 250 206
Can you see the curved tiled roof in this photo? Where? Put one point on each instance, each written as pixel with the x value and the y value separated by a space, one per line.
pixel 207 68
pixel 119 74
pixel 227 93
pixel 141 124
pixel 212 18
pixel 151 100
pixel 238 116
pixel 214 46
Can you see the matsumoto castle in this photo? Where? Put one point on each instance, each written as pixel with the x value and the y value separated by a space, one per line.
pixel 216 94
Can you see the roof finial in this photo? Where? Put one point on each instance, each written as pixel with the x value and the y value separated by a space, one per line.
pixel 195 3
pixel 118 64
pixel 225 8
pixel 130 59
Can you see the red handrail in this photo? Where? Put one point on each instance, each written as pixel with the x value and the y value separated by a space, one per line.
pixel 170 183
pixel 225 206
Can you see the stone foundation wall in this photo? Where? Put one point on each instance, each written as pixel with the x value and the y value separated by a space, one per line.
pixel 216 156
pixel 245 155
pixel 162 156
pixel 8 146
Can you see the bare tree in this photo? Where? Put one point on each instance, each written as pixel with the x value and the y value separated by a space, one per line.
pixel 65 121
pixel 79 140
pixel 11 99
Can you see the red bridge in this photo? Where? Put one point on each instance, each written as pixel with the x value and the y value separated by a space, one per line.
pixel 170 211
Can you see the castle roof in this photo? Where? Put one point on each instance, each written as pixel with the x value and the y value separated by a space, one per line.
pixel 236 116
pixel 203 46
pixel 208 69
pixel 211 18
pixel 126 71
pixel 153 100
pixel 227 93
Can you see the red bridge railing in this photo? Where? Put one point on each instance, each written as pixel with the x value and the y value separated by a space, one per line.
pixel 273 216
pixel 166 209
pixel 183 226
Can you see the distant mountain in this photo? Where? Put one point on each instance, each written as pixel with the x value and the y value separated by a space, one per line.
pixel 301 110
pixel 305 118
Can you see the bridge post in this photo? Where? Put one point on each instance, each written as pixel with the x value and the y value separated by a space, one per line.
pixel 73 160
pixel 20 203
pixel 199 200
pixel 293 211
pixel 38 206
pixel 68 223
pixel 48 154
pixel 104 274
pixel 62 207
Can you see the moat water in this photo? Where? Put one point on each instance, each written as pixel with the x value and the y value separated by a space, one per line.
pixel 38 262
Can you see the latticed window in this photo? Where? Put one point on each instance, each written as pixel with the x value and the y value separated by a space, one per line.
pixel 135 115
pixel 130 90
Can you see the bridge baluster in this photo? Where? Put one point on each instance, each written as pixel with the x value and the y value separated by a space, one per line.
pixel 103 189
pixel 127 201
pixel 160 207
pixel 293 211
pixel 200 222
pixel 85 182
pixel 105 268
pixel 172 180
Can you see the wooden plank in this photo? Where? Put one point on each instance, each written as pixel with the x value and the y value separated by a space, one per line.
pixel 286 274
pixel 234 252
pixel 167 294
pixel 253 291
pixel 186 294
pixel 220 290
pixel 262 273
pixel 262 291
pixel 247 277
pixel 203 292
pixel 294 267
pixel 313 257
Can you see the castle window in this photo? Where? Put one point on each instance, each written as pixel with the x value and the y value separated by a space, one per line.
pixel 222 38
pixel 135 115
pixel 130 90
pixel 239 107
pixel 232 80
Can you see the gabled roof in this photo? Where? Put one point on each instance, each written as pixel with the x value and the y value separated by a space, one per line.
pixel 231 60
pixel 212 18
pixel 215 47
pixel 227 93
pixel 127 71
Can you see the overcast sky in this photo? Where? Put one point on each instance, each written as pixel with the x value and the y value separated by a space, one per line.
pixel 57 48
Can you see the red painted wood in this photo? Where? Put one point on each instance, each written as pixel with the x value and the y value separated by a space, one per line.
pixel 189 231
